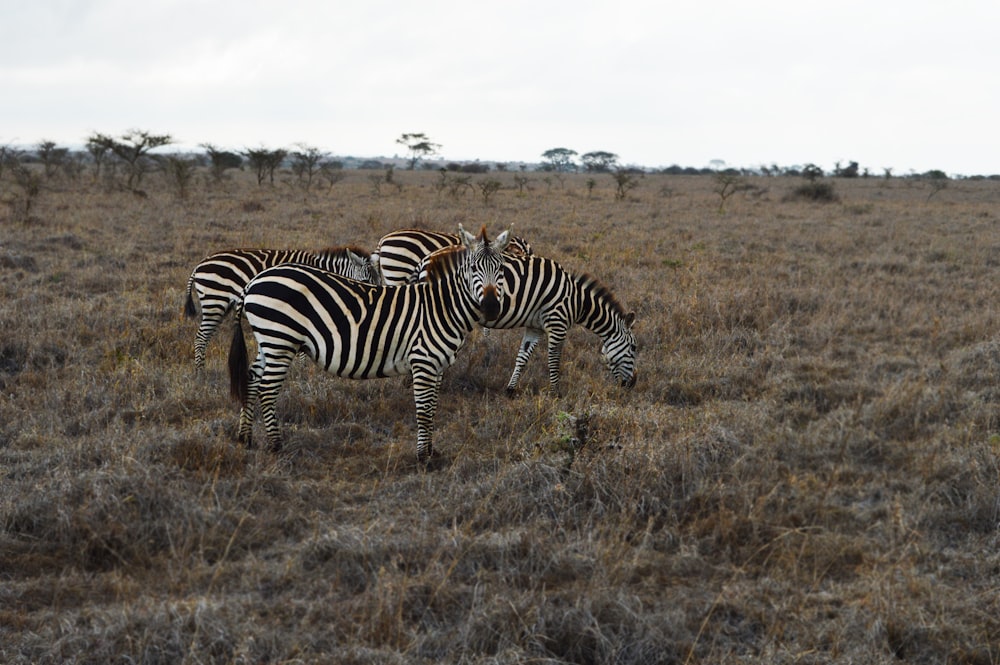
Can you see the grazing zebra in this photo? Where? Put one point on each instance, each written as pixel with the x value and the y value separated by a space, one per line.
pixel 360 331
pixel 219 280
pixel 399 253
pixel 545 299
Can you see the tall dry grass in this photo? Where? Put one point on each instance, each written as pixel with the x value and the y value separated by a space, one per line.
pixel 807 470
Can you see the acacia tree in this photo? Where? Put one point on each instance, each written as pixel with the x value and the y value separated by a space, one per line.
pixel 264 162
pixel 599 161
pixel 306 163
pixel 420 147
pixel 51 156
pixel 221 161
pixel 99 146
pixel 625 181
pixel 559 159
pixel 133 150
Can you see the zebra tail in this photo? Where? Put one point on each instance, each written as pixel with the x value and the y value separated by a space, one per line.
pixel 190 310
pixel 238 370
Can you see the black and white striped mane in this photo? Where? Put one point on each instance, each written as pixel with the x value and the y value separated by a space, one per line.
pixel 589 283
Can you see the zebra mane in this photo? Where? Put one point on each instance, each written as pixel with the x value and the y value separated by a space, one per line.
pixel 442 260
pixel 341 250
pixel 591 284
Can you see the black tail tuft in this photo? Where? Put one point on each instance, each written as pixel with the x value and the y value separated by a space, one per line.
pixel 238 369
pixel 190 310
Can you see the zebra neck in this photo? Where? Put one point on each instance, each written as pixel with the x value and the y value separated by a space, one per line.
pixel 595 310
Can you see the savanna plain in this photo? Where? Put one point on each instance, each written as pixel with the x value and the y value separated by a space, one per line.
pixel 806 471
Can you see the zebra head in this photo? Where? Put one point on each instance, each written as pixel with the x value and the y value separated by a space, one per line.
pixel 619 351
pixel 362 267
pixel 484 277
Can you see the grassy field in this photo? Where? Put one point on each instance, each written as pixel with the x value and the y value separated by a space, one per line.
pixel 807 471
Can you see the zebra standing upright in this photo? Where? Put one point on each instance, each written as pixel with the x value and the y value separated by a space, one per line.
pixel 219 280
pixel 362 332
pixel 398 254
pixel 547 300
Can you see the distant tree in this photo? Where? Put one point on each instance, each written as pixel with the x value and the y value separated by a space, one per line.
pixel 938 181
pixel 332 171
pixel 179 173
pixel 264 162
pixel 7 156
pixel 488 188
pixel 625 181
pixel 559 159
pixel 727 183
pixel 133 150
pixel 99 147
pixel 419 146
pixel 811 172
pixel 599 161
pixel 520 181
pixel 305 164
pixel 51 156
pixel 29 183
pixel 221 161
pixel 849 171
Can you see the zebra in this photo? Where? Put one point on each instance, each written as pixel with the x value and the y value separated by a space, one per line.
pixel 398 254
pixel 545 299
pixel 362 331
pixel 219 279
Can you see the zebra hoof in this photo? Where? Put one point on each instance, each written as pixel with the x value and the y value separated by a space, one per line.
pixel 428 458
pixel 511 392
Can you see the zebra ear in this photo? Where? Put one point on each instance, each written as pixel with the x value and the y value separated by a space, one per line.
pixel 357 259
pixel 467 238
pixel 630 319
pixel 503 239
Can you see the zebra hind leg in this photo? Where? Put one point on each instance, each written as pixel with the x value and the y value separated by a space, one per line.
pixel 273 371
pixel 245 433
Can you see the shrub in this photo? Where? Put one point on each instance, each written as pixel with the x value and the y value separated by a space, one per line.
pixel 814 190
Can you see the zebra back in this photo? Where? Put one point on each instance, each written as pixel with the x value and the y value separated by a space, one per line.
pixel 219 280
pixel 399 254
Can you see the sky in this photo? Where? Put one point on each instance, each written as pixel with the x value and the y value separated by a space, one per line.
pixel 906 85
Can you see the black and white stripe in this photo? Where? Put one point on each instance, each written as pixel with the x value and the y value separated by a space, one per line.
pixel 546 300
pixel 398 254
pixel 218 281
pixel 362 332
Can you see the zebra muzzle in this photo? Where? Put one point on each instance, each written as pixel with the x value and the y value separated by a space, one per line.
pixel 490 304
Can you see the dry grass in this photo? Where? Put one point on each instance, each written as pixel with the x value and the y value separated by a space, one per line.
pixel 807 471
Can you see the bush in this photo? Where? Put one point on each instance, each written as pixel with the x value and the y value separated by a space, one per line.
pixel 820 192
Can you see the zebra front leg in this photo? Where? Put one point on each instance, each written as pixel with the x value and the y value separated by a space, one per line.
pixel 426 388
pixel 528 343
pixel 556 341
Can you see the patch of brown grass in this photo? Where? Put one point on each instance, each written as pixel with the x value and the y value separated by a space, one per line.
pixel 806 471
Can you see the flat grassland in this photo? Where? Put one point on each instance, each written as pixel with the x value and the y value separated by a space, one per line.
pixel 807 471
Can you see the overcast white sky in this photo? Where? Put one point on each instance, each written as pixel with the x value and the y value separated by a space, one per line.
pixel 911 85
